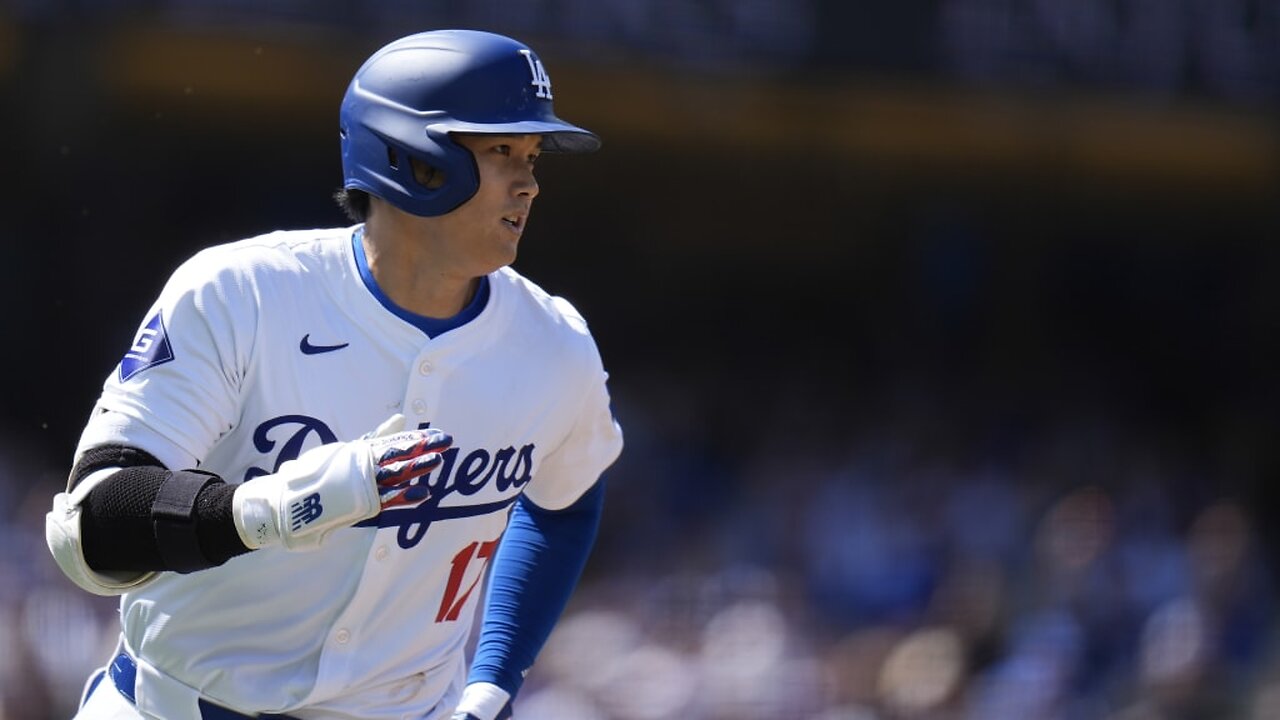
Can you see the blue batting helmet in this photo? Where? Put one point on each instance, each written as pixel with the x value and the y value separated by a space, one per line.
pixel 410 95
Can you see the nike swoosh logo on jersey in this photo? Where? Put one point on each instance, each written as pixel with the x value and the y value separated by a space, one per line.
pixel 308 349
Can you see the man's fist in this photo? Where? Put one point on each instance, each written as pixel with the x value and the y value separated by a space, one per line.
pixel 403 458
pixel 337 485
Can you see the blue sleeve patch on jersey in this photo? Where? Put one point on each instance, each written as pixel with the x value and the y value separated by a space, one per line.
pixel 150 348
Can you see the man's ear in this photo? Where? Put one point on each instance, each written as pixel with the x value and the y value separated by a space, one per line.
pixel 431 178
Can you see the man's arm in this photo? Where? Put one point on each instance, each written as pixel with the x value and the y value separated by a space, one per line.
pixel 534 572
pixel 140 516
pixel 127 517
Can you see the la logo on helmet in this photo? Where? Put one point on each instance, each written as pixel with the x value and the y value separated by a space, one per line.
pixel 541 80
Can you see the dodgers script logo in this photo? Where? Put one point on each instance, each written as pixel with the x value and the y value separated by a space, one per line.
pixel 302 428
pixel 506 469
pixel 462 473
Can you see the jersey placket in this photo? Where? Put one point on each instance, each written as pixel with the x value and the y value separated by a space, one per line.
pixel 422 392
pixel 422 389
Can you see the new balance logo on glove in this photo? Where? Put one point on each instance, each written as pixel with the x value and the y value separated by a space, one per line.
pixel 305 511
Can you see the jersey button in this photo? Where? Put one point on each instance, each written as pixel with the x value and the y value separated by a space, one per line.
pixel 381 553
pixel 419 407
pixel 342 636
pixel 425 368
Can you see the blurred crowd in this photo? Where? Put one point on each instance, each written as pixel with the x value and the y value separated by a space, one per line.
pixel 1075 575
pixel 881 581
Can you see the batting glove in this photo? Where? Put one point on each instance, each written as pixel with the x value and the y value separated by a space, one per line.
pixel 483 701
pixel 337 485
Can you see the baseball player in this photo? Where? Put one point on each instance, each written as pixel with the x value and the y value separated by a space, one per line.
pixel 321 442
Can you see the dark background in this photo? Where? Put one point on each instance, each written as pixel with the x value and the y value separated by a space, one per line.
pixel 941 331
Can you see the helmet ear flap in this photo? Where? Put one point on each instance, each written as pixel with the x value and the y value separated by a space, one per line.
pixel 431 178
pixel 455 177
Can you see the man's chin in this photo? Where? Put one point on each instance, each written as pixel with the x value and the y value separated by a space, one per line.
pixel 497 262
pixel 506 255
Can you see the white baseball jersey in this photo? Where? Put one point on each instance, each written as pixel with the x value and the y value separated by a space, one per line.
pixel 259 350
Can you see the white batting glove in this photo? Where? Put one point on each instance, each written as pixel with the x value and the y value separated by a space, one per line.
pixel 337 485
pixel 483 701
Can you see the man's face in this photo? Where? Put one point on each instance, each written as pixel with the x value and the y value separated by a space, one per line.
pixel 487 228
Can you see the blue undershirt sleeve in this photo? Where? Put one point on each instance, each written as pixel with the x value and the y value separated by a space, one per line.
pixel 534 572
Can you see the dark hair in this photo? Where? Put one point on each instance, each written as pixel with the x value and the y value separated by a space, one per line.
pixel 354 204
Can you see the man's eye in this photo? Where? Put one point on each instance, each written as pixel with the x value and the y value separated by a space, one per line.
pixel 502 149
pixel 533 159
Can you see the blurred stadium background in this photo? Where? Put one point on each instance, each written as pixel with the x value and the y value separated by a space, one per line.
pixel 942 331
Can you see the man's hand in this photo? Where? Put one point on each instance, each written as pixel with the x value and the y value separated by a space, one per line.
pixel 483 701
pixel 337 485
pixel 402 458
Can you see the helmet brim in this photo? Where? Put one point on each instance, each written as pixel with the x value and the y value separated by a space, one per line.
pixel 558 137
